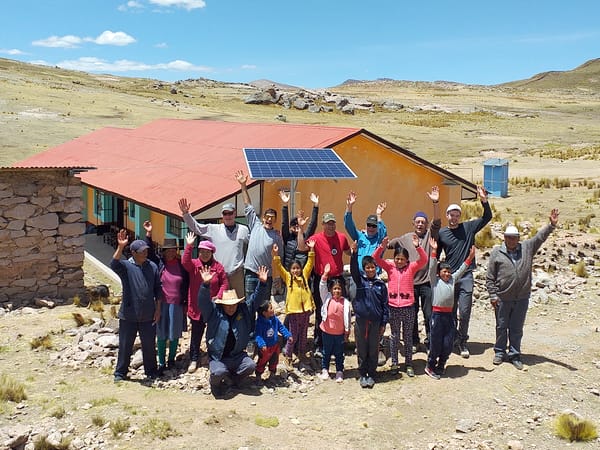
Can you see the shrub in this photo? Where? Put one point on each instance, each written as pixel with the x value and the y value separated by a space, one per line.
pixel 580 269
pixel 266 422
pixel 11 390
pixel 158 428
pixel 98 421
pixel 80 320
pixel 41 443
pixel 119 426
pixel 569 426
pixel 44 342
pixel 485 238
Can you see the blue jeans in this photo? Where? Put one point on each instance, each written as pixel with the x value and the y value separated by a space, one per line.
pixel 441 341
pixel 333 344
pixel 463 301
pixel 423 296
pixel 251 281
pixel 510 319
pixel 127 332
pixel 237 368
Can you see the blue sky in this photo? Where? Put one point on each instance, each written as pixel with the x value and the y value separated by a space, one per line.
pixel 309 43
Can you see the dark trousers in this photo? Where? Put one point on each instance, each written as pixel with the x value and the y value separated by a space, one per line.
pixel 314 284
pixel 510 319
pixel 463 302
pixel 441 341
pixel 235 368
pixel 128 330
pixel 422 297
pixel 196 338
pixel 366 334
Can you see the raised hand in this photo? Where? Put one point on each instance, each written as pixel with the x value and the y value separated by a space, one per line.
pixel 206 274
pixel 381 208
pixel 284 196
pixel 122 238
pixel 148 227
pixel 314 198
pixel 184 205
pixel 263 274
pixel 353 246
pixel 351 199
pixel 385 241
pixel 241 177
pixel 311 244
pixel 190 238
pixel 434 195
pixel 433 243
pixel 275 250
pixel 326 269
pixel 482 193
pixel 415 240
pixel 554 216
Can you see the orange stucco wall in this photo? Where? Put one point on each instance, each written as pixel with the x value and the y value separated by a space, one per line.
pixel 382 176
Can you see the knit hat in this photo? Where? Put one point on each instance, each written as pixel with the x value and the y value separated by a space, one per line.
pixel 421 214
pixel 207 245
pixel 453 207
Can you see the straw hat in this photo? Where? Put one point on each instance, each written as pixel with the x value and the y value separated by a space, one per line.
pixel 229 298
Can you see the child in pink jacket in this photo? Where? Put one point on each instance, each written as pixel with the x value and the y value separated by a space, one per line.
pixel 401 298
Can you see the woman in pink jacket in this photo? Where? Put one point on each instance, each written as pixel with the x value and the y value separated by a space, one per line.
pixel 218 285
pixel 401 298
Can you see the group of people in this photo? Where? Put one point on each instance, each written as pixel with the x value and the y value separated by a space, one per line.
pixel 226 290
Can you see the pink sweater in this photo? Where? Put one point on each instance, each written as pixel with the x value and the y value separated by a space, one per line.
pixel 401 281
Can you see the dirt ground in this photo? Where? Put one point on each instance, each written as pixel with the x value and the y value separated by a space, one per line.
pixel 475 406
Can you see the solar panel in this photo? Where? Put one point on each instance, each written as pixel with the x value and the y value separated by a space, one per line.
pixel 295 163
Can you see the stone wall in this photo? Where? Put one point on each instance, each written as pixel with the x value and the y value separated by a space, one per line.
pixel 41 235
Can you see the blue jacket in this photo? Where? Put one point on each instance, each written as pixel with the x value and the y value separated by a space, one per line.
pixel 141 289
pixel 371 299
pixel 217 322
pixel 366 245
pixel 268 330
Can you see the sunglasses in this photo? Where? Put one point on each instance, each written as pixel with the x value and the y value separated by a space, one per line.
pixel 371 226
pixel 227 213
pixel 402 295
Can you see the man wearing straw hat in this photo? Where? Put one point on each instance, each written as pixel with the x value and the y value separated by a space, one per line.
pixel 229 323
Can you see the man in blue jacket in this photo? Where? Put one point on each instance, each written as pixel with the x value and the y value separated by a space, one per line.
pixel 229 324
pixel 140 307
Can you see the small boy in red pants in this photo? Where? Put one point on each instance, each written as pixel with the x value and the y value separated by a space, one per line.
pixel 268 328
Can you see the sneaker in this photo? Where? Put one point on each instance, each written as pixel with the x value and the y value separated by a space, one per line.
pixel 339 377
pixel 381 358
pixel 160 370
pixel 517 363
pixel 193 366
pixel 363 382
pixel 440 370
pixel 370 382
pixel 318 353
pixel 431 373
pixel 464 351
pixel 498 359
pixel 395 369
pixel 119 378
pixel 410 371
pixel 324 375
pixel 414 349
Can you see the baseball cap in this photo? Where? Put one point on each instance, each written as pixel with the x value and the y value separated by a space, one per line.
pixel 138 246
pixel 328 217
pixel 372 220
pixel 228 207
pixel 511 230
pixel 453 207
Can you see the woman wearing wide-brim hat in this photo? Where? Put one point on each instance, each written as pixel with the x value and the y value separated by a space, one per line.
pixel 175 284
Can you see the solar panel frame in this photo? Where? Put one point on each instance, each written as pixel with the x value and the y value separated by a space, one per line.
pixel 295 163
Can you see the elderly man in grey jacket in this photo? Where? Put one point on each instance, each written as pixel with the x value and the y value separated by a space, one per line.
pixel 509 285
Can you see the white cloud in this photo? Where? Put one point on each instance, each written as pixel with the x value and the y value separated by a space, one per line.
pixel 185 4
pixel 68 41
pixel 161 45
pixel 110 38
pixel 11 51
pixel 132 4
pixel 248 67
pixel 92 64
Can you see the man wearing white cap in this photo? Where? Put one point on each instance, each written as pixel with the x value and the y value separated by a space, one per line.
pixel 456 240
pixel 230 239
pixel 508 282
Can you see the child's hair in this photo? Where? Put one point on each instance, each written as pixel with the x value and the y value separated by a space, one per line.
pixel 263 307
pixel 400 250
pixel 367 259
pixel 335 282
pixel 443 265
pixel 304 283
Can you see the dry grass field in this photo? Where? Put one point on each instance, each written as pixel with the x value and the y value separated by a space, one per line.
pixel 549 130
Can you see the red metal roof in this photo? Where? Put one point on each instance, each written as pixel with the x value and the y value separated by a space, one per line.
pixel 158 163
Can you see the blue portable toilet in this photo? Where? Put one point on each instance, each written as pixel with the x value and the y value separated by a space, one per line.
pixel 495 177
